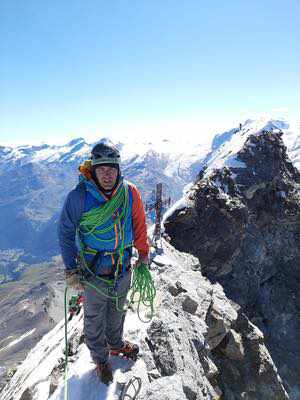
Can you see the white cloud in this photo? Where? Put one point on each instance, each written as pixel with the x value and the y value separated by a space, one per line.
pixel 198 127
pixel 280 110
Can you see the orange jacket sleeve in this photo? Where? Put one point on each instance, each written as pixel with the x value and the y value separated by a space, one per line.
pixel 140 240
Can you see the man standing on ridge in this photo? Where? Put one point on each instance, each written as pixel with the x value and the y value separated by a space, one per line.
pixel 102 218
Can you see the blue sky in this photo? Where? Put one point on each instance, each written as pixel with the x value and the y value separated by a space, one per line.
pixel 99 68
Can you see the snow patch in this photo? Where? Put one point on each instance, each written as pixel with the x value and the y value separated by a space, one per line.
pixel 179 205
pixel 14 342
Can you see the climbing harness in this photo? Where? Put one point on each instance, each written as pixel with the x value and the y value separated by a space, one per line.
pixel 142 291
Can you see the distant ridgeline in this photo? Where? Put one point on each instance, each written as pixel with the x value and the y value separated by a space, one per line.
pixel 34 181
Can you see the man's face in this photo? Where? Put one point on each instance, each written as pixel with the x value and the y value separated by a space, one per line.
pixel 107 176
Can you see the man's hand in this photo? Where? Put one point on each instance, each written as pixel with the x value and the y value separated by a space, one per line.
pixel 73 280
pixel 141 260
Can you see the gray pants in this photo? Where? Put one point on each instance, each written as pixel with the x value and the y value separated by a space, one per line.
pixel 103 323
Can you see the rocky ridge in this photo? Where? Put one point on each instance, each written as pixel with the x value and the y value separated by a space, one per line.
pixel 35 180
pixel 199 346
pixel 243 224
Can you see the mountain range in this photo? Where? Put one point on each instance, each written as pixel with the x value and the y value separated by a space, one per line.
pixel 34 181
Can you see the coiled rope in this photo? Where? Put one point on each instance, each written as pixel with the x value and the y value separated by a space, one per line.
pixel 143 289
pixel 92 221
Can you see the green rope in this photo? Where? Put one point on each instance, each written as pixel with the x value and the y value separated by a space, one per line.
pixel 143 287
pixel 98 216
pixel 110 284
pixel 92 220
pixel 107 295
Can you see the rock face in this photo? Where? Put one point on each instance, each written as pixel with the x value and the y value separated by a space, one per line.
pixel 243 224
pixel 206 341
pixel 199 346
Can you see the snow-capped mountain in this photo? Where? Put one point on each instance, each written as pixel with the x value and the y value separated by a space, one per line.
pixel 241 218
pixel 35 180
pixel 226 145
pixel 180 154
pixel 33 191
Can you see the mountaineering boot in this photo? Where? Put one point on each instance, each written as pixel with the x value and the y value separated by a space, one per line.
pixel 129 350
pixel 104 372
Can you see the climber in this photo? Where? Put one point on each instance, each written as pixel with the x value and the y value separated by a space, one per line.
pixel 106 250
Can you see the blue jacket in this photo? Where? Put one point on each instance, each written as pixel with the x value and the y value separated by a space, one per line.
pixel 82 199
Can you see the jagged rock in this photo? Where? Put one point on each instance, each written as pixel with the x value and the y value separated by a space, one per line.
pixel 194 344
pixel 189 304
pixel 165 389
pixel 176 289
pixel 220 317
pixel 234 348
pixel 27 395
pixel 251 373
pixel 243 223
pixel 188 351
